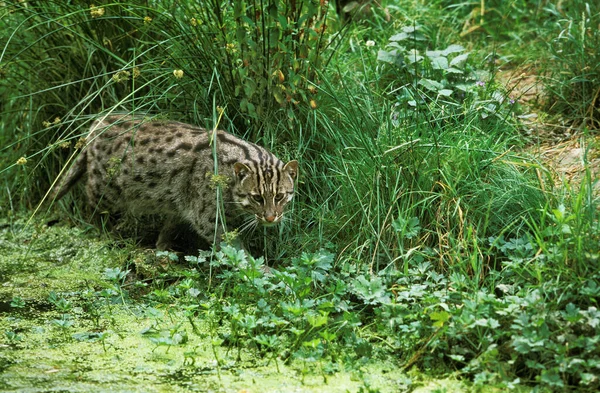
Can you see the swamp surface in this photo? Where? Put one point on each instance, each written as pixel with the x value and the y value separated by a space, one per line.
pixel 65 328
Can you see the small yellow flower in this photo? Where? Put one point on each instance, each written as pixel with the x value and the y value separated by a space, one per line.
pixel 56 120
pixel 194 22
pixel 96 12
pixel 46 124
pixel 230 48
pixel 136 72
pixel 229 238
pixel 121 76
pixel 147 20
pixel 80 143
pixel 217 180
pixel 313 104
pixel 22 161
pixel 178 74
pixel 64 145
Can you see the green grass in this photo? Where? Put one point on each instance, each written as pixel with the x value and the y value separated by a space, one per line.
pixel 423 232
pixel 573 72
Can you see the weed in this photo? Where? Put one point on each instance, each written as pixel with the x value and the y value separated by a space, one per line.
pixel 64 307
pixel 572 81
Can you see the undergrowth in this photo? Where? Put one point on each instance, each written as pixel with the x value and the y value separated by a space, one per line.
pixel 422 230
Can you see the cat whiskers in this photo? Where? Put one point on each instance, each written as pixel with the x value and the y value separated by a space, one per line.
pixel 249 224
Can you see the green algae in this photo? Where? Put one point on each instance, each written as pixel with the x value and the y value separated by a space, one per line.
pixel 38 259
pixel 129 361
pixel 106 344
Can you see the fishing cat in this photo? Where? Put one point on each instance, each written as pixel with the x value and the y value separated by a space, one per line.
pixel 166 169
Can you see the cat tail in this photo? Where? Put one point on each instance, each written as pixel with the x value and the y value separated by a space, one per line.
pixel 65 182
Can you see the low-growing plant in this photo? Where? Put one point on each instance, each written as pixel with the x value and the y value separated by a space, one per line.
pixel 64 307
pixel 271 311
pixel 94 337
pixel 520 337
pixel 442 82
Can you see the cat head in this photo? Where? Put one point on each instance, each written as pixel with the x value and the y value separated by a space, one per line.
pixel 264 189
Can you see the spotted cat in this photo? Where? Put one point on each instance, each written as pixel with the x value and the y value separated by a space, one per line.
pixel 166 169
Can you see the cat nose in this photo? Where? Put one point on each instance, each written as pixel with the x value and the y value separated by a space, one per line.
pixel 269 218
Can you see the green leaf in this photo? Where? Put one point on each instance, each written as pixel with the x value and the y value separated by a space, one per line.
pixel 459 60
pixel 413 56
pixel 431 85
pixel 317 320
pixel 439 63
pixel 17 302
pixel 559 213
pixel 391 57
pixel 521 345
pixel 279 96
pixel 370 291
pixel 439 318
pixel 408 228
pixel 571 313
pixel 327 336
pixel 312 343
pixel 411 33
pixel 249 88
pixel 454 48
pixel 552 378
pixel 453 70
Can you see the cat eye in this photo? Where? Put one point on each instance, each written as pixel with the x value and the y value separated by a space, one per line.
pixel 279 197
pixel 257 198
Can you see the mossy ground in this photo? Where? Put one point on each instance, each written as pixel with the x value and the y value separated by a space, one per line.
pixel 108 347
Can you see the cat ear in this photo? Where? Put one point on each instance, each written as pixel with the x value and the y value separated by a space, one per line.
pixel 241 170
pixel 291 168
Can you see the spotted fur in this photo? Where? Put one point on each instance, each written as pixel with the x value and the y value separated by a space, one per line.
pixel 145 167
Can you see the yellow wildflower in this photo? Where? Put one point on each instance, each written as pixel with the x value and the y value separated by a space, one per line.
pixel 178 74
pixel 217 180
pixel 80 143
pixel 22 161
pixel 121 76
pixel 96 12
pixel 229 238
